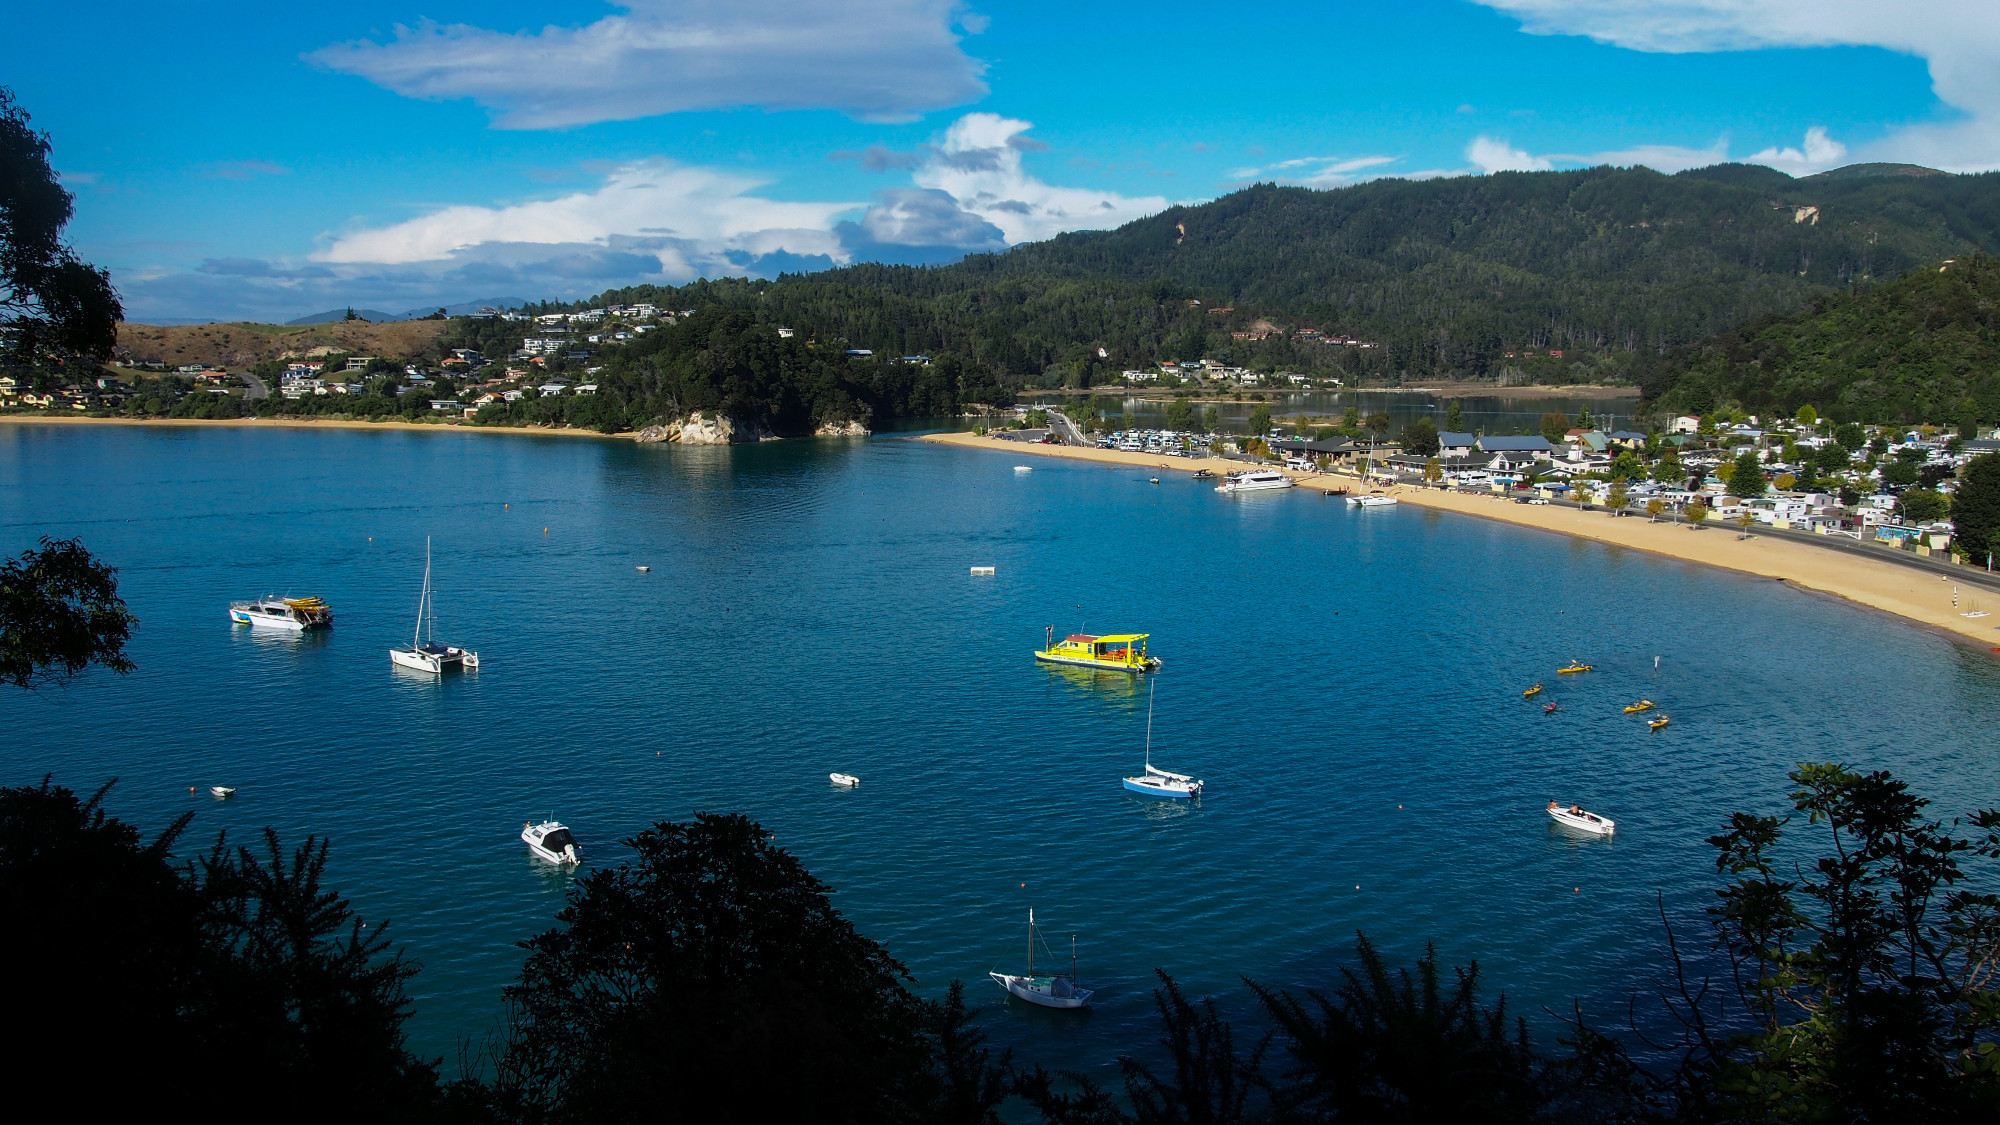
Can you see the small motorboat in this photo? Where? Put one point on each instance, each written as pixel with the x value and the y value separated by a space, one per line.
pixel 1152 480
pixel 1659 723
pixel 1574 667
pixel 292 615
pixel 1642 705
pixel 1048 992
pixel 1551 708
pixel 1024 468
pixel 844 780
pixel 643 569
pixel 550 841
pixel 1536 689
pixel 1582 820
pixel 1204 474
pixel 222 791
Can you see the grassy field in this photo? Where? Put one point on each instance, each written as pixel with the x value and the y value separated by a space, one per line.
pixel 242 344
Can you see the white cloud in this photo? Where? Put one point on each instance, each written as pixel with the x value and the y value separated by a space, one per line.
pixel 1959 39
pixel 874 59
pixel 1819 153
pixel 1660 158
pixel 701 206
pixel 1489 155
pixel 1319 171
pixel 979 165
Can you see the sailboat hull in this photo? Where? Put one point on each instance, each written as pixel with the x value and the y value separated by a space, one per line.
pixel 1041 991
pixel 1155 787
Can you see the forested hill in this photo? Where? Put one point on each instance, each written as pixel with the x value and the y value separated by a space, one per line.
pixel 1922 348
pixel 1449 274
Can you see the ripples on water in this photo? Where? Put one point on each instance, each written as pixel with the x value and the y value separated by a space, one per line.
pixel 1348 682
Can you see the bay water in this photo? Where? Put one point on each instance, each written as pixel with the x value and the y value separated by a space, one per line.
pixel 1348 682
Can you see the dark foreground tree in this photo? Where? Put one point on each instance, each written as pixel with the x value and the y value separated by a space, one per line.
pixel 709 979
pixel 60 613
pixel 1975 508
pixel 54 308
pixel 143 979
pixel 1420 438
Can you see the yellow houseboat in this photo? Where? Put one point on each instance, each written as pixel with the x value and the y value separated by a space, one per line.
pixel 1116 652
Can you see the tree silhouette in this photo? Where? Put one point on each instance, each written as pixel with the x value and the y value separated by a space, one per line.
pixel 60 613
pixel 54 308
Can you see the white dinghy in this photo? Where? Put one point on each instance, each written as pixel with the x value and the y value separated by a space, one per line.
pixel 550 841
pixel 1048 992
pixel 1156 782
pixel 222 792
pixel 844 780
pixel 1581 820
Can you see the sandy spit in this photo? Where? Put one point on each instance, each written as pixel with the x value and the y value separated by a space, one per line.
pixel 1904 591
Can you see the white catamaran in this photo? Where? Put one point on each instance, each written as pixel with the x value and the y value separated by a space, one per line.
pixel 424 653
pixel 1049 992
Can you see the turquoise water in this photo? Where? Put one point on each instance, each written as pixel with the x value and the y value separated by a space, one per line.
pixel 1348 682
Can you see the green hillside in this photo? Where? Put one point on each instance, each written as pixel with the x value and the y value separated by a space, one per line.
pixel 1448 274
pixel 1922 348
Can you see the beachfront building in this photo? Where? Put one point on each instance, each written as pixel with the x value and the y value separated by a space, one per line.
pixel 1454 445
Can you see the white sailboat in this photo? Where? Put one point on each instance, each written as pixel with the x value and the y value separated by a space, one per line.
pixel 1156 782
pixel 424 653
pixel 1049 992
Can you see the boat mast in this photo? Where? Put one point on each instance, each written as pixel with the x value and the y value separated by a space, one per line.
pixel 430 603
pixel 1031 941
pixel 1072 959
pixel 423 599
pixel 1150 685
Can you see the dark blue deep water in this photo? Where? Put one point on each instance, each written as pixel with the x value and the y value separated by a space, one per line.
pixel 1349 682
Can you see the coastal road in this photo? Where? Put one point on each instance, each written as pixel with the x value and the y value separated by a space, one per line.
pixel 257 388
pixel 1069 432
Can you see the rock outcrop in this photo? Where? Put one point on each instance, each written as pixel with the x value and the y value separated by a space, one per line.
pixel 842 429
pixel 706 428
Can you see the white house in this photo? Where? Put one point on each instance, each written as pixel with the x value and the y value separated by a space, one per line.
pixel 1684 424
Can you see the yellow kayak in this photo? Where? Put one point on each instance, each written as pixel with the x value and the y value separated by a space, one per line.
pixel 1531 691
pixel 1642 705
pixel 1573 667
pixel 1656 724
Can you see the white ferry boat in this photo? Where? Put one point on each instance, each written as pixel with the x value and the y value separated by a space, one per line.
pixel 293 615
pixel 1254 480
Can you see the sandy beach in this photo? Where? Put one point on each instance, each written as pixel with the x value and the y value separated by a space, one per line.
pixel 300 424
pixel 1904 591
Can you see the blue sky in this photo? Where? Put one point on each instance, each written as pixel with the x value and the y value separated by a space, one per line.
pixel 265 161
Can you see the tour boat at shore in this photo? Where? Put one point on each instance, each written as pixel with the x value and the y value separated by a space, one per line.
pixel 550 841
pixel 293 615
pixel 1254 480
pixel 424 653
pixel 1048 992
pixel 1116 652
pixel 1581 820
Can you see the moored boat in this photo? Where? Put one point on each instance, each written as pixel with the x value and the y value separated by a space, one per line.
pixel 844 780
pixel 1113 652
pixel 1254 480
pixel 1156 782
pixel 1372 500
pixel 292 615
pixel 1581 820
pixel 550 841
pixel 222 792
pixel 1046 991
pixel 424 653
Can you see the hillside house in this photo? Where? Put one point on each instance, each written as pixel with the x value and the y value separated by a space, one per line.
pixel 1454 445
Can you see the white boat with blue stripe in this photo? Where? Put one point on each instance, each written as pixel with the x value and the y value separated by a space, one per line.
pixel 1156 782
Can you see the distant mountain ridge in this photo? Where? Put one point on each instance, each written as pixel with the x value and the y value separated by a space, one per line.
pixel 376 316
pixel 1450 274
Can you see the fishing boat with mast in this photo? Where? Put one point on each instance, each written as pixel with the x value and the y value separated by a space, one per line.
pixel 1156 782
pixel 1049 991
pixel 424 653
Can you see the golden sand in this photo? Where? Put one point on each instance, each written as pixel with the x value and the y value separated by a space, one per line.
pixel 1880 584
